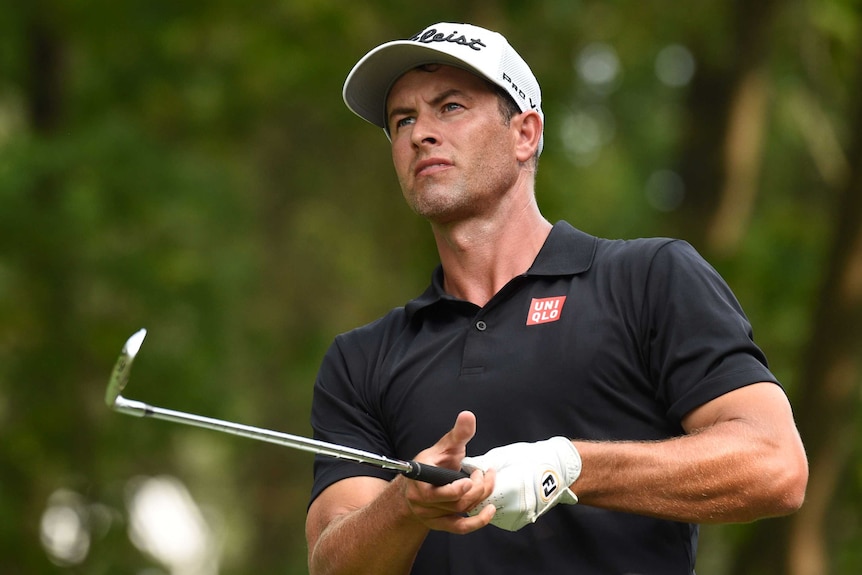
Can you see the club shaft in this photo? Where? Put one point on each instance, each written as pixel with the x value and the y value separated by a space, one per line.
pixel 120 376
pixel 141 409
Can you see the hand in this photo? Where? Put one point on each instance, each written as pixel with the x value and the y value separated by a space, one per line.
pixel 531 478
pixel 444 508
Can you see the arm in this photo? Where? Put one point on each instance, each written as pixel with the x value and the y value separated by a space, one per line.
pixel 367 525
pixel 741 460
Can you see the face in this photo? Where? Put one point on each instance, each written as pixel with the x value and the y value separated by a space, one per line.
pixel 453 152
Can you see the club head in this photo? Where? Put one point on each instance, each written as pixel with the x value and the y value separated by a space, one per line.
pixel 120 375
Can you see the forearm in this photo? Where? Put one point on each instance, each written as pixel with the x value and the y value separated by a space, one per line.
pixel 381 538
pixel 729 472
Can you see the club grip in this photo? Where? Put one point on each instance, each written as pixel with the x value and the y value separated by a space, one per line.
pixel 434 475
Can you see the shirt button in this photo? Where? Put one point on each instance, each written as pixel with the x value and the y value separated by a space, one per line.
pixel 481 325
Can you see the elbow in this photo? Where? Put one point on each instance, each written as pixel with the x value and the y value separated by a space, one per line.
pixel 794 490
pixel 786 491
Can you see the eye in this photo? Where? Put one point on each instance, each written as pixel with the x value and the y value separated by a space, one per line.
pixel 451 106
pixel 405 121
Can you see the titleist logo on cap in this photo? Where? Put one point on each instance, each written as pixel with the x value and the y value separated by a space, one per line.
pixel 431 35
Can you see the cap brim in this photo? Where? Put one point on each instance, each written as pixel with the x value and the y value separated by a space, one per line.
pixel 368 84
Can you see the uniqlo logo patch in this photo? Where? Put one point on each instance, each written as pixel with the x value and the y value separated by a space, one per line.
pixel 545 310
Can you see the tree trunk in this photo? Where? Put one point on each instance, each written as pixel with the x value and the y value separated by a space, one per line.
pixel 39 368
pixel 831 376
pixel 721 156
pixel 827 396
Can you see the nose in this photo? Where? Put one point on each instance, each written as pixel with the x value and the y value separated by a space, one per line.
pixel 425 131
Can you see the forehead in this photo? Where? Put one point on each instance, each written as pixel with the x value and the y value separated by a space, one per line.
pixel 433 79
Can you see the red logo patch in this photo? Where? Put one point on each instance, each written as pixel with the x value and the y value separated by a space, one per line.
pixel 545 310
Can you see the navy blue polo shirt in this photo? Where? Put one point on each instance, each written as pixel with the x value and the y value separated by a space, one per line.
pixel 599 340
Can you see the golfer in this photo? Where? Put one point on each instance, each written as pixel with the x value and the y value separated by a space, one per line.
pixel 605 396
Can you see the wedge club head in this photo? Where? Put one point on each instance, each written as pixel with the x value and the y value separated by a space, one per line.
pixel 120 375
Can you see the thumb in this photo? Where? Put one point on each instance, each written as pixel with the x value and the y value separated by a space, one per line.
pixel 463 430
pixel 453 445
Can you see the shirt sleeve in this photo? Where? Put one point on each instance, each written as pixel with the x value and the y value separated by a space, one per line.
pixel 701 344
pixel 341 415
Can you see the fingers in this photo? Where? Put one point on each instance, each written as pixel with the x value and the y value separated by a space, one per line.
pixel 461 525
pixel 445 508
pixel 457 497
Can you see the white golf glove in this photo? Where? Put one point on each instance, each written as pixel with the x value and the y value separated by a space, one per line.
pixel 531 479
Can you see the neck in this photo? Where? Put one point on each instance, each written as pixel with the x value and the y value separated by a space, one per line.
pixel 479 257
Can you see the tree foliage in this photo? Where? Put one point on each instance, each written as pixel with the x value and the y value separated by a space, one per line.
pixel 190 167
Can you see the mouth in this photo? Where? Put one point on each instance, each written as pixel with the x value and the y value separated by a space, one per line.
pixel 431 166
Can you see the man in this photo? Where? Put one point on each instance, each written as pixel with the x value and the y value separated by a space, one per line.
pixel 606 396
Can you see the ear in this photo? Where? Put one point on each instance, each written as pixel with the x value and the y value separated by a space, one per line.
pixel 528 126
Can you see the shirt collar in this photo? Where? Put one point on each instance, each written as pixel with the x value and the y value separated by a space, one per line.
pixel 566 251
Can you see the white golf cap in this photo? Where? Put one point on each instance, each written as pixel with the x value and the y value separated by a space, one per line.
pixel 483 52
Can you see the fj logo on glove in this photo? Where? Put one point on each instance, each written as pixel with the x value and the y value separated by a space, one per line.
pixel 545 310
pixel 550 483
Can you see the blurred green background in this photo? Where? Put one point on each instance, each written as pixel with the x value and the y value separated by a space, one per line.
pixel 189 167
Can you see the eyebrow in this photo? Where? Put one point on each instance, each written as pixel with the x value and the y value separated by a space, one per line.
pixel 436 101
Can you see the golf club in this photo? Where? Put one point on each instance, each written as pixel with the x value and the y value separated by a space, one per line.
pixel 114 400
